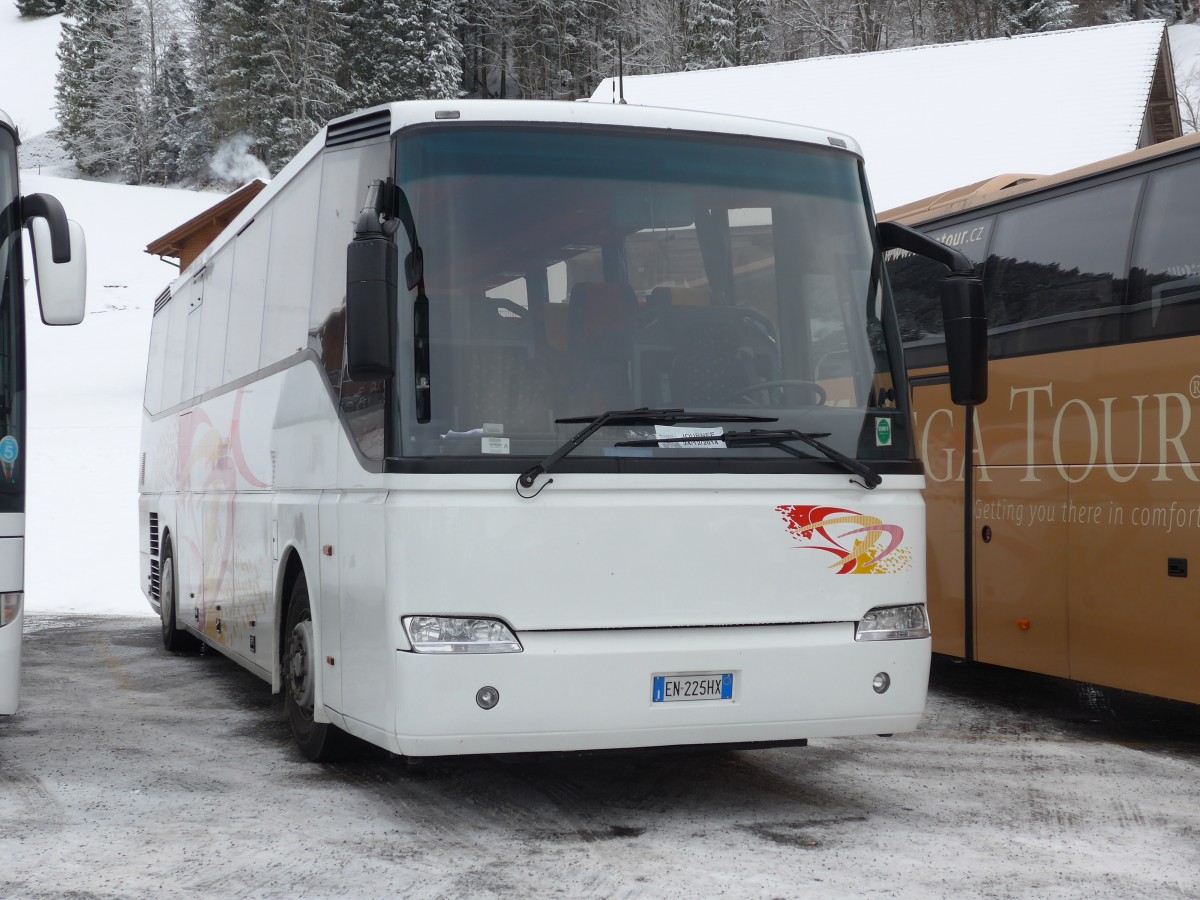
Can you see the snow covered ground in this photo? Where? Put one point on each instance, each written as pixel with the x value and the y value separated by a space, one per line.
pixel 132 772
pixel 85 383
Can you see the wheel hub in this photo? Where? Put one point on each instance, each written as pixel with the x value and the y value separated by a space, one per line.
pixel 299 669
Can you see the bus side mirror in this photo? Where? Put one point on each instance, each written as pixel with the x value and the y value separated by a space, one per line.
pixel 966 338
pixel 59 260
pixel 372 279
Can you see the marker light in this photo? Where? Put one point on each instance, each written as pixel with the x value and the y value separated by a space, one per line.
pixel 893 623
pixel 487 697
pixel 444 634
pixel 10 606
pixel 881 682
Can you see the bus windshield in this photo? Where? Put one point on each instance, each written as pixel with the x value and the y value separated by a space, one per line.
pixel 12 389
pixel 572 272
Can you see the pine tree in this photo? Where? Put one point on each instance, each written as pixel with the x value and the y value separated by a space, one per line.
pixel 710 35
pixel 404 50
pixel 1024 16
pixel 37 9
pixel 751 41
pixel 240 102
pixel 77 51
pixel 199 139
pixel 173 111
pixel 101 88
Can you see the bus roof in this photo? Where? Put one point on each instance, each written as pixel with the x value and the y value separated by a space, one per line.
pixel 7 122
pixel 611 114
pixel 1005 187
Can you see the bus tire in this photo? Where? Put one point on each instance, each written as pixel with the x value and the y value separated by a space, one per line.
pixel 174 639
pixel 318 741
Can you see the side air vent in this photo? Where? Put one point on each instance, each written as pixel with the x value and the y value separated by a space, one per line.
pixel 155 568
pixel 142 477
pixel 162 300
pixel 361 128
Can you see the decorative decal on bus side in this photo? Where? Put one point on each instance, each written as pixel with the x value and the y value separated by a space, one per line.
pixel 214 466
pixel 828 528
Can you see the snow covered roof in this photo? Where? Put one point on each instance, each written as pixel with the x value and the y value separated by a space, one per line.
pixel 933 118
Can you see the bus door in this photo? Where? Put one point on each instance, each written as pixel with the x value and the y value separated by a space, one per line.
pixel 1020 537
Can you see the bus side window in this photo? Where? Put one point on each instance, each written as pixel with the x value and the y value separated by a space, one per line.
pixel 1165 282
pixel 1056 274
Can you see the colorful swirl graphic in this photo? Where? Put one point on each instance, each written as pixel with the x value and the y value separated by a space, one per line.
pixel 871 540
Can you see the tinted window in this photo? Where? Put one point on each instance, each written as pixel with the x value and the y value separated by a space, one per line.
pixel 915 281
pixel 1165 291
pixel 1056 275
pixel 695 271
pixel 12 334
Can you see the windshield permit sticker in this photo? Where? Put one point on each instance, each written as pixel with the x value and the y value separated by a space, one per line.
pixel 863 545
pixel 686 431
pixel 494 445
pixel 883 431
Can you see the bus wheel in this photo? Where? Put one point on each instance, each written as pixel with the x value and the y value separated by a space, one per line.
pixel 318 741
pixel 175 639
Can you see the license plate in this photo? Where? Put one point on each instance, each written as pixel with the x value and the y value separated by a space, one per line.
pixel 705 686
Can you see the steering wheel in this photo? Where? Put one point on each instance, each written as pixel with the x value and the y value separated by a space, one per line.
pixel 815 389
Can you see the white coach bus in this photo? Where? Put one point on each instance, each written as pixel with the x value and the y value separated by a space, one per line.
pixel 522 426
pixel 60 269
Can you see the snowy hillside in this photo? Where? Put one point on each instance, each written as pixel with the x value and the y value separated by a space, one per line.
pixel 85 393
pixel 27 67
pixel 85 383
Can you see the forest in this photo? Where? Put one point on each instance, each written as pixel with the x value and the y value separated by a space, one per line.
pixel 153 91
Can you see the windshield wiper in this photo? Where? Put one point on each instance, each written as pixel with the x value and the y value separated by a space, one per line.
pixel 641 416
pixel 758 437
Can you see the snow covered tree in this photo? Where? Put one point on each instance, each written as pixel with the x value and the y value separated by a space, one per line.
pixel 653 32
pixel 710 31
pixel 173 113
pixel 101 87
pixel 304 49
pixel 1023 16
pixel 198 139
pixel 242 100
pixel 37 9
pixel 403 50
pixel 751 37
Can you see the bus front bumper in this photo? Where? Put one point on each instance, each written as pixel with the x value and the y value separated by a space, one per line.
pixel 592 690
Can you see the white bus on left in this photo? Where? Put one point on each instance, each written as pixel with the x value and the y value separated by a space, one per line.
pixel 60 269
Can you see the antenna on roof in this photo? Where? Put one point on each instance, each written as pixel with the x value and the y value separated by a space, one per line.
pixel 621 69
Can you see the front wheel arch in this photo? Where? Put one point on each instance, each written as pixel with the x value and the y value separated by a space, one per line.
pixel 300 670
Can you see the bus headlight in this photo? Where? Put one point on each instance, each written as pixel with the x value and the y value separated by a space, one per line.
pixel 444 634
pixel 893 623
pixel 10 606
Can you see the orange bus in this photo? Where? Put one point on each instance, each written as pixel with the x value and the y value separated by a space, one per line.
pixel 1062 515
